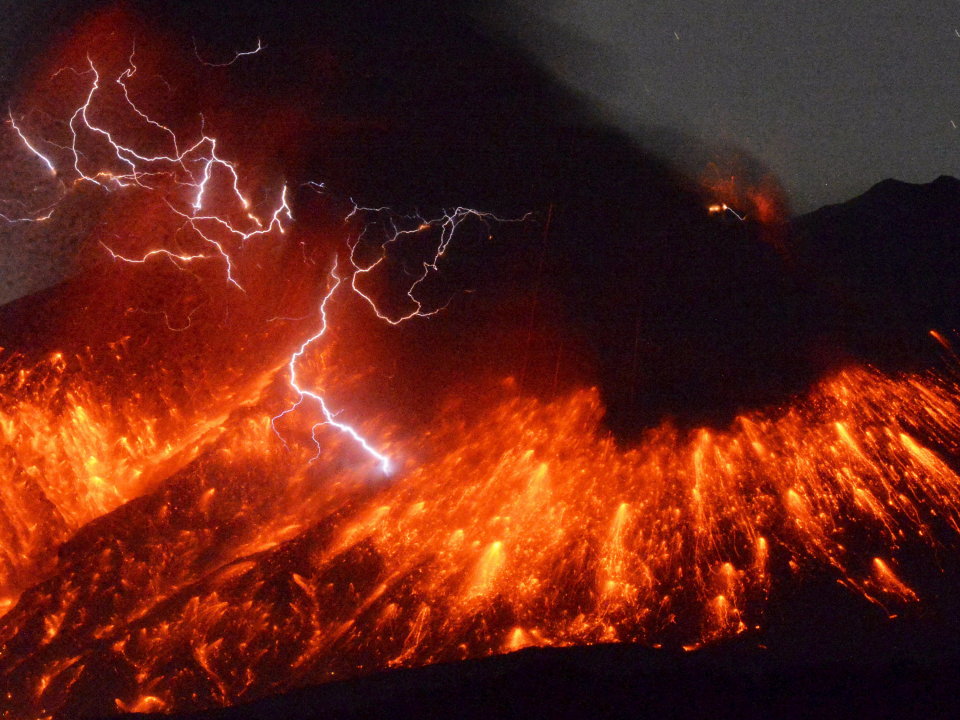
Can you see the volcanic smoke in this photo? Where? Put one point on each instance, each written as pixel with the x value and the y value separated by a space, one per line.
pixel 206 500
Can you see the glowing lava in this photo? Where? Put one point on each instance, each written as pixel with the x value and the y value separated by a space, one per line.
pixel 258 568
pixel 197 543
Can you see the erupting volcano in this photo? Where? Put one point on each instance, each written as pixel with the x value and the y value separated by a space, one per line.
pixel 268 435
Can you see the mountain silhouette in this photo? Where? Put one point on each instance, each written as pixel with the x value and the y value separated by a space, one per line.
pixel 622 277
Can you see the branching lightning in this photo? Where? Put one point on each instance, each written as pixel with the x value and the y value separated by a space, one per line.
pixel 305 393
pixel 196 167
pixel 260 46
pixel 448 224
pixel 193 167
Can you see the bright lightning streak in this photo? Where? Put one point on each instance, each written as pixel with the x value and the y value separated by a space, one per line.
pixel 139 166
pixel 260 46
pixel 44 158
pixel 315 186
pixel 197 167
pixel 128 155
pixel 41 218
pixel 304 393
pixel 175 257
pixel 283 209
pixel 192 220
pixel 152 253
pixel 129 73
pixel 193 167
pixel 448 225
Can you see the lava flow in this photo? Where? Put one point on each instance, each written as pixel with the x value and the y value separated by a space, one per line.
pixel 189 520
pixel 258 567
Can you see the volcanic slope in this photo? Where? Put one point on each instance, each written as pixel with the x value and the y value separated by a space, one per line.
pixel 259 566
pixel 175 539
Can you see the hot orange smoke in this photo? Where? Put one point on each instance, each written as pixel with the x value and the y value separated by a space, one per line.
pixel 166 548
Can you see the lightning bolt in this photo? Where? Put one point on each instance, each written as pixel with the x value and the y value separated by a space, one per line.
pixel 43 213
pixel 43 158
pixel 236 56
pixel 448 224
pixel 193 167
pixel 305 393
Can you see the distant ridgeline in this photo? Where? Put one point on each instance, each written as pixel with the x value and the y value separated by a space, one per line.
pixel 883 270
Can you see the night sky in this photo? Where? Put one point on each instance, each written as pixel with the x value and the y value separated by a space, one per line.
pixel 829 98
pixel 832 96
pixel 411 105
pixel 609 128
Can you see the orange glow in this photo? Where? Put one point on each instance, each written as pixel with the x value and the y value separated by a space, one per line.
pixel 528 527
pixel 752 196
pixel 155 522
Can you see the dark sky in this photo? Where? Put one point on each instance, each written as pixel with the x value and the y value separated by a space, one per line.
pixel 833 96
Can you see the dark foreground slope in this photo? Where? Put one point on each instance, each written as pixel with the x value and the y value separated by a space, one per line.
pixel 621 681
